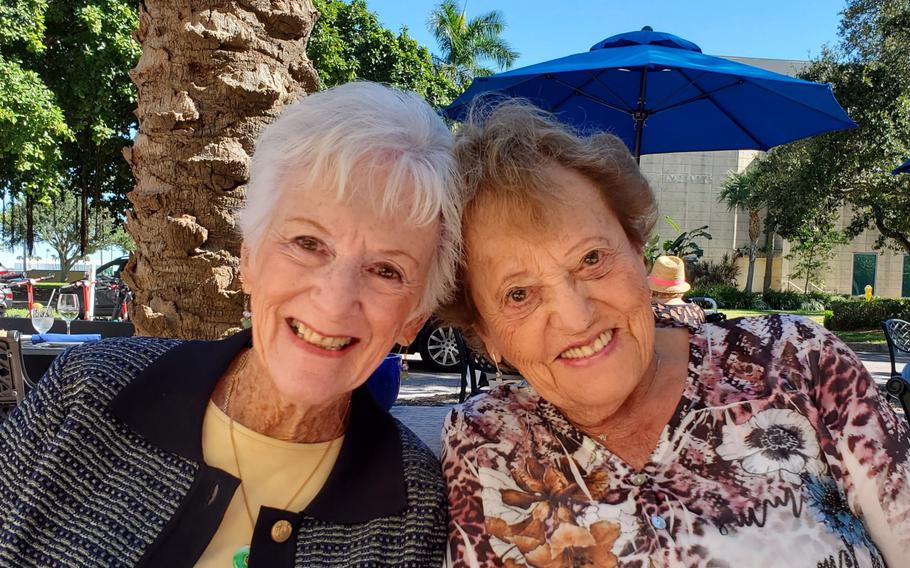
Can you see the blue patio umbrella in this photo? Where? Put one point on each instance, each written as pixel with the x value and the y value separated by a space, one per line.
pixel 660 93
pixel 902 169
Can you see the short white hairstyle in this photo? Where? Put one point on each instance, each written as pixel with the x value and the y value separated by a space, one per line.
pixel 356 132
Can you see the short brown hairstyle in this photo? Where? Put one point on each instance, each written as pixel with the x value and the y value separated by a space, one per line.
pixel 503 151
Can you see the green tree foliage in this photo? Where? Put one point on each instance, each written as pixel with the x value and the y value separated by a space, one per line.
pixel 348 42
pixel 801 183
pixel 66 100
pixel 812 250
pixel 32 125
pixel 57 224
pixel 468 44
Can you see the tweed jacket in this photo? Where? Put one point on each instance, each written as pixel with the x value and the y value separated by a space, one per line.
pixel 102 465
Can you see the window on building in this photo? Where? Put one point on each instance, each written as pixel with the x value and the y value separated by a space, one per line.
pixel 905 278
pixel 863 272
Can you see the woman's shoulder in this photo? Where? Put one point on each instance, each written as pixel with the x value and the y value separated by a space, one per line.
pixel 417 458
pixel 750 356
pixel 115 361
pixel 125 352
pixel 500 415
pixel 770 328
pixel 508 398
pixel 421 469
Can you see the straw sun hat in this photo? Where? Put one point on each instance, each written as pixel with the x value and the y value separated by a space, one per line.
pixel 668 275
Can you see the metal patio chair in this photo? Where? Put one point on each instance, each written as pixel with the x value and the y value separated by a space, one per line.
pixel 897 335
pixel 13 380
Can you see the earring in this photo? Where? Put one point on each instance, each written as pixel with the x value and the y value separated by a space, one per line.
pixel 246 322
pixel 402 362
pixel 498 376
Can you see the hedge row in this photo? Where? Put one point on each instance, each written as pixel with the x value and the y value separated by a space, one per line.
pixel 853 314
pixel 727 297
pixel 731 298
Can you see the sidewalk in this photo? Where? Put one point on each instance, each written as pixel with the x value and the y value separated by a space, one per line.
pixel 425 398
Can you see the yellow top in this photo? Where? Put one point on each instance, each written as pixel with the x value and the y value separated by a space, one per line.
pixel 272 472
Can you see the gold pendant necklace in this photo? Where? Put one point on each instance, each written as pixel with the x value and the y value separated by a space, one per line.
pixel 242 555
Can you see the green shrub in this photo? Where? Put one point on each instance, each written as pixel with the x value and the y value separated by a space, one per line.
pixel 727 297
pixel 791 300
pixel 786 300
pixel 853 314
pixel 731 298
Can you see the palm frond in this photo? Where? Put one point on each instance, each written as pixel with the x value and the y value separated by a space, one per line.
pixel 446 25
pixel 497 50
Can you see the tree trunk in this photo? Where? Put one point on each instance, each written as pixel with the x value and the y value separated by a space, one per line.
pixel 754 233
pixel 769 259
pixel 750 272
pixel 211 76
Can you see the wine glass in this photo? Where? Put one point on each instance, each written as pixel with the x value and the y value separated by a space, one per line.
pixel 42 318
pixel 68 306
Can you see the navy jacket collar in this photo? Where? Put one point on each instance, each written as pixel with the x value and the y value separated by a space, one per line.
pixel 166 405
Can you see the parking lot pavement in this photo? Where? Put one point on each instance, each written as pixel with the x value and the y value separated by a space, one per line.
pixel 426 397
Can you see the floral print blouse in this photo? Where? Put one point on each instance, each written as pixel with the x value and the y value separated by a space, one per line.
pixel 781 453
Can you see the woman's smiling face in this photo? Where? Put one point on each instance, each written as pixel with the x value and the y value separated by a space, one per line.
pixel 568 305
pixel 333 286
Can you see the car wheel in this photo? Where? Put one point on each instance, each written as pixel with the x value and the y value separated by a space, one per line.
pixel 440 349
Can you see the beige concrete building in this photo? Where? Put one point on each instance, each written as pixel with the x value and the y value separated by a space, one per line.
pixel 688 187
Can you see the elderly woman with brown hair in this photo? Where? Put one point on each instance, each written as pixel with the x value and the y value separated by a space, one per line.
pixel 264 449
pixel 637 446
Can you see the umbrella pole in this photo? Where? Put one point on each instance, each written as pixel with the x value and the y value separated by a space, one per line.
pixel 640 113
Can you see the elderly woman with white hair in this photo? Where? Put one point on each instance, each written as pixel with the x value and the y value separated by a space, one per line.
pixel 263 449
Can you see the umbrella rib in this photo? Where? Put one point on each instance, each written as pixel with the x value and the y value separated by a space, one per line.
pixel 704 95
pixel 597 100
pixel 674 93
pixel 614 93
pixel 553 108
pixel 717 105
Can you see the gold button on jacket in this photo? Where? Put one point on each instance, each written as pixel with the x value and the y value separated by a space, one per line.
pixel 281 531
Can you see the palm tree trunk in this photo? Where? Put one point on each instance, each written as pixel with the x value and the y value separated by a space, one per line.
pixel 211 76
pixel 754 233
pixel 769 258
pixel 750 272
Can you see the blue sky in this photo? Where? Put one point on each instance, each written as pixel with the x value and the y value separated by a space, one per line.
pixel 777 29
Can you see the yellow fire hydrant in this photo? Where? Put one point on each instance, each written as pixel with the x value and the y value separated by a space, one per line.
pixel 868 292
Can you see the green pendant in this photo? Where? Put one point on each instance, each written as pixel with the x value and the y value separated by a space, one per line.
pixel 241 557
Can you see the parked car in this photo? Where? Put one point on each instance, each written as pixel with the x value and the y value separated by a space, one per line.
pixel 437 346
pixel 111 293
pixel 7 274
